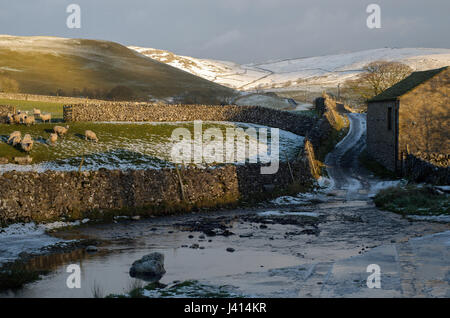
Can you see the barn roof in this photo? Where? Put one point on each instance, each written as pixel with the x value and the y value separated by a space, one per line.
pixel 404 86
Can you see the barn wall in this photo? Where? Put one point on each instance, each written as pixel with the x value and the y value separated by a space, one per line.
pixel 381 142
pixel 424 121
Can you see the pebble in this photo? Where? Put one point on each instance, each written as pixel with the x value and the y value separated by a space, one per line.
pixel 230 249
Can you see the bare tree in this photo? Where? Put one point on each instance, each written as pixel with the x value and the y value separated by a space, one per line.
pixel 377 77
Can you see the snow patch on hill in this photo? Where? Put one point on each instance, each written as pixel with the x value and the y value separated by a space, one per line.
pixel 319 72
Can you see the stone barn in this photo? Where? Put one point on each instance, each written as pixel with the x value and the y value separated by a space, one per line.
pixel 411 117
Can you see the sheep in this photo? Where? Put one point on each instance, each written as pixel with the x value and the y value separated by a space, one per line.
pixel 16 118
pixel 22 116
pixel 46 117
pixel 27 143
pixel 90 135
pixel 14 134
pixel 15 141
pixel 29 120
pixel 53 138
pixel 23 160
pixel 36 112
pixel 61 130
pixel 15 138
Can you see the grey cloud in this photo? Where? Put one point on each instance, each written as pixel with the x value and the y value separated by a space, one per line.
pixel 238 30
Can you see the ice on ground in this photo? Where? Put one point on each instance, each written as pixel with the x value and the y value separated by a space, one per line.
pixel 29 237
pixel 377 187
pixel 436 218
pixel 23 237
pixel 281 213
pixel 443 188
pixel 288 200
pixel 327 184
pixel 151 151
pixel 61 224
pixel 263 100
pixel 362 128
pixel 303 107
pixel 300 198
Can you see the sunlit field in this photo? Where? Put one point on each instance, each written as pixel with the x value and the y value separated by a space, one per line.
pixel 120 146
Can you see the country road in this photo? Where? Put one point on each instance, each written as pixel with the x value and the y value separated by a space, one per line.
pixel 351 181
pixel 308 245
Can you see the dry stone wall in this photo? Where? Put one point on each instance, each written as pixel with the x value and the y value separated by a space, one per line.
pixel 53 195
pixel 46 98
pixel 134 112
pixel 418 168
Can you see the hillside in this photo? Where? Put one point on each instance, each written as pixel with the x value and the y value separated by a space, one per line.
pixel 311 72
pixel 47 65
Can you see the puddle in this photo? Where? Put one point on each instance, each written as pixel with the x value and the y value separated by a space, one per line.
pixel 281 213
pixel 108 270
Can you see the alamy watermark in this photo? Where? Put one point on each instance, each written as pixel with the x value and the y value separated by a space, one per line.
pixel 74 279
pixel 374 19
pixel 374 279
pixel 73 21
pixel 237 146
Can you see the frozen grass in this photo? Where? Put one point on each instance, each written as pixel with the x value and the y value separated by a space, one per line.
pixel 120 146
pixel 413 200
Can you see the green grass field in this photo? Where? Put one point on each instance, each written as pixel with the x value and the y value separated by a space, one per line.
pixel 56 109
pixel 120 146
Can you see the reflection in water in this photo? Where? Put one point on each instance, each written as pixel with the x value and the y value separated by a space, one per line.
pixel 107 272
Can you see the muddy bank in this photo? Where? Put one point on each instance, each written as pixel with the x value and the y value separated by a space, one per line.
pixel 32 266
pixel 223 248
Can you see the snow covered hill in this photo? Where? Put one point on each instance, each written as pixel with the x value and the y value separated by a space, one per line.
pixel 311 72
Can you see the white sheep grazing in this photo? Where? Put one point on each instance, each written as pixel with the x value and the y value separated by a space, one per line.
pixel 14 138
pixel 53 138
pixel 46 117
pixel 29 120
pixel 22 116
pixel 90 135
pixel 16 118
pixel 23 160
pixel 36 112
pixel 61 130
pixel 27 143
pixel 16 141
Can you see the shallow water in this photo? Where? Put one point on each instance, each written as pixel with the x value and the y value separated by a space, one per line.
pixel 108 269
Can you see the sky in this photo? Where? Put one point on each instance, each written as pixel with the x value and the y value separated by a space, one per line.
pixel 242 31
